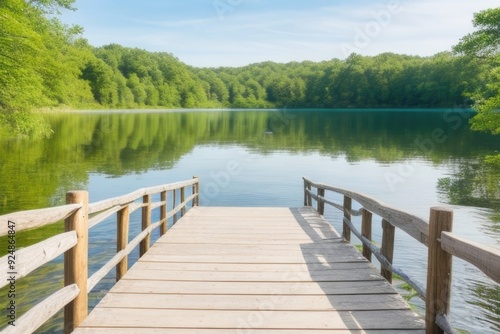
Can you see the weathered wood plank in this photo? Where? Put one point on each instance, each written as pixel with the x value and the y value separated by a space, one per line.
pixel 251 267
pixel 254 302
pixel 486 258
pixel 224 273
pixel 39 314
pixel 214 249
pixel 252 259
pixel 31 258
pixel 242 241
pixel 253 288
pixel 400 319
pixel 128 198
pixel 304 276
pixel 25 220
pixel 103 215
pixel 415 226
pixel 122 330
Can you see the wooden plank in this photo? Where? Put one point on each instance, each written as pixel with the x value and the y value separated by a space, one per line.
pixel 486 258
pixel 31 258
pixel 103 215
pixel 128 198
pixel 262 234
pixel 253 288
pixel 399 319
pixel 121 330
pixel 218 249
pixel 415 226
pixel 254 302
pixel 252 259
pixel 43 311
pixel 214 249
pixel 25 220
pixel 325 246
pixel 251 267
pixel 242 240
pixel 303 276
pixel 227 270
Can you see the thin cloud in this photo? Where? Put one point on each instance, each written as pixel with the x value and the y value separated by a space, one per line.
pixel 257 30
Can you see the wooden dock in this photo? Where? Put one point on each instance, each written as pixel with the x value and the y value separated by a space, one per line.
pixel 252 270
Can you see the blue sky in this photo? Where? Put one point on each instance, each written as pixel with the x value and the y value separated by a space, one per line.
pixel 212 33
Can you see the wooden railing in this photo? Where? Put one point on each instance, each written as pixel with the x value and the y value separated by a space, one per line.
pixel 435 234
pixel 79 217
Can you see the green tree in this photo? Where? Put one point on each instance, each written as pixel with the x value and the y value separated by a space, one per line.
pixel 484 43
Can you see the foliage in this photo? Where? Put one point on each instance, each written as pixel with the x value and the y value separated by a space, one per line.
pixel 484 44
pixel 44 63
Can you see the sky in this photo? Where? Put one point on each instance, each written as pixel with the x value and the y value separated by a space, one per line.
pixel 213 33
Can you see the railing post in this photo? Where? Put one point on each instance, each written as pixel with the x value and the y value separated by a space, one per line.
pixel 306 195
pixel 174 199
pixel 196 190
pixel 321 204
pixel 146 222
pixel 366 231
pixel 163 213
pixel 346 231
pixel 183 196
pixel 439 269
pixel 122 240
pixel 76 260
pixel 388 231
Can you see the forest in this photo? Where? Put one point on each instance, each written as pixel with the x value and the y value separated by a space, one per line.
pixel 45 64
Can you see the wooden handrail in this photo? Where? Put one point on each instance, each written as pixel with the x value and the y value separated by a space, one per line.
pixel 485 258
pixel 74 245
pixel 411 224
pixel 436 234
pixel 26 220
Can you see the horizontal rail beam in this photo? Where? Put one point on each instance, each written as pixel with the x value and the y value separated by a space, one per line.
pixel 128 198
pixel 340 207
pixel 101 273
pixel 100 217
pixel 386 264
pixel 25 220
pixel 43 311
pixel 414 226
pixel 485 258
pixel 31 258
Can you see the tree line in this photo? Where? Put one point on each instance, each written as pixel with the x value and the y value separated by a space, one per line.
pixel 46 64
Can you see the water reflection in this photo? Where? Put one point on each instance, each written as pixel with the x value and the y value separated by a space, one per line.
pixel 121 143
pixel 474 183
pixel 488 298
pixel 37 173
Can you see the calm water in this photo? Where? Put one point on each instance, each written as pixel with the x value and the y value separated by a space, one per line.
pixel 409 159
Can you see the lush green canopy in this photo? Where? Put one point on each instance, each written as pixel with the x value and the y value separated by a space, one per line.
pixel 484 44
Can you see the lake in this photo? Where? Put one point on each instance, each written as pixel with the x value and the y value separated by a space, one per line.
pixel 410 159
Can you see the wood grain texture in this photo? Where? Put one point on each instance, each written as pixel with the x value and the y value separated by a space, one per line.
pixel 43 311
pixel 439 267
pixel 30 258
pixel 76 260
pixel 228 270
pixel 131 197
pixel 486 258
pixel 415 226
pixel 25 220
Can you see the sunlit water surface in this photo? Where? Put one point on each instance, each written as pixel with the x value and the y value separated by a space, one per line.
pixel 412 160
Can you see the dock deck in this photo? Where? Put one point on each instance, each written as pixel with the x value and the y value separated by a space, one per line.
pixel 252 270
